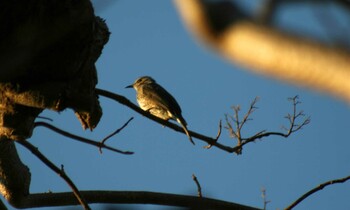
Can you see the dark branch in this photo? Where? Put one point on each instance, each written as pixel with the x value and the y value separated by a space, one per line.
pixel 54 168
pixel 114 133
pixel 44 118
pixel 81 139
pixel 131 197
pixel 211 141
pixel 124 101
pixel 318 188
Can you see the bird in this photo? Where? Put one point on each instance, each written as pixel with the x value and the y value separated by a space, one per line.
pixel 155 99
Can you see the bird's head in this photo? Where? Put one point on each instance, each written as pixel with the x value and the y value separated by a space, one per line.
pixel 141 81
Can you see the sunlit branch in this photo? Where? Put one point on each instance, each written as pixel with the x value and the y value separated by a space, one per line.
pixel 199 188
pixel 251 109
pixel 59 171
pixel 81 139
pixel 216 138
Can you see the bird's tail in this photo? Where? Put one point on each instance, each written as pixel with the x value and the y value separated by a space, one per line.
pixel 183 124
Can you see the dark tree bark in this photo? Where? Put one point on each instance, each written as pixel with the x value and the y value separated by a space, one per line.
pixel 48 51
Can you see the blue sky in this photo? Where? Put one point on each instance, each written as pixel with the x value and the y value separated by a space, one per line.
pixel 148 38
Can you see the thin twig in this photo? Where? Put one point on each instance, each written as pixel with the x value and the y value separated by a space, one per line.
pixel 318 188
pixel 199 189
pixel 114 133
pixel 60 172
pixel 45 118
pixel 263 195
pixel 79 138
pixel 251 109
pixel 216 138
pixel 236 133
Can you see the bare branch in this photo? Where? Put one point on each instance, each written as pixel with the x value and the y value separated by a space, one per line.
pixel 114 133
pixel 216 138
pixel 124 101
pixel 81 139
pixel 211 141
pixel 318 188
pixel 199 189
pixel 131 197
pixel 236 133
pixel 54 168
pixel 292 118
pixel 45 118
pixel 251 109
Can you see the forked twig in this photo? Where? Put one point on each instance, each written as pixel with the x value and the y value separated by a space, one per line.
pixel 114 133
pixel 79 138
pixel 60 172
pixel 251 109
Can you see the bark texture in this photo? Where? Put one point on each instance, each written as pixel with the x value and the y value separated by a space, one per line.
pixel 48 51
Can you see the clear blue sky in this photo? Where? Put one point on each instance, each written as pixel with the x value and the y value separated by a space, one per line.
pixel 148 38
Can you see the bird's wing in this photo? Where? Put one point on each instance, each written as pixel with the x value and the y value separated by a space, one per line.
pixel 165 99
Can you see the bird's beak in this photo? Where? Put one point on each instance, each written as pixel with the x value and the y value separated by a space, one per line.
pixel 129 86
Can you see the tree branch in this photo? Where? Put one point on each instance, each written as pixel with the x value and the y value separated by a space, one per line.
pixel 211 141
pixel 131 197
pixel 14 175
pixel 318 188
pixel 236 132
pixel 114 133
pixel 81 139
pixel 199 188
pixel 60 172
pixel 124 101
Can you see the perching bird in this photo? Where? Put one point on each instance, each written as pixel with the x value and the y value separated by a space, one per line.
pixel 154 98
